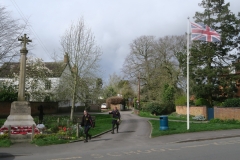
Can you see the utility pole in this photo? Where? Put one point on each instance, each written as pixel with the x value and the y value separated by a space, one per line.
pixel 139 90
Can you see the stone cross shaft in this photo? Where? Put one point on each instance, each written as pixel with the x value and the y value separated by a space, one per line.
pixel 21 89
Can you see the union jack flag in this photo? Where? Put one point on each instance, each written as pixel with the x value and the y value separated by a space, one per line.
pixel 204 33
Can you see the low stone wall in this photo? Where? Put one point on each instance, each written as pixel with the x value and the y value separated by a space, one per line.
pixel 193 110
pixel 227 113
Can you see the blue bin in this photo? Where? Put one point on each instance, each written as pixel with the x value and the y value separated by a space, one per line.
pixel 163 123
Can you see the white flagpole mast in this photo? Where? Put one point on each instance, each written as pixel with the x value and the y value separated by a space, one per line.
pixel 188 74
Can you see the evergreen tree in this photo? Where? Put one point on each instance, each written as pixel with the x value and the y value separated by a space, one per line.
pixel 210 61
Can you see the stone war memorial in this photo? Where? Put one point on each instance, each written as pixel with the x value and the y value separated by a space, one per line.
pixel 20 124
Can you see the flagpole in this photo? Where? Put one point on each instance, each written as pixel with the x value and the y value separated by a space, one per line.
pixel 188 74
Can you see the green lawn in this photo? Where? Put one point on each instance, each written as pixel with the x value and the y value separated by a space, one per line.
pixel 181 127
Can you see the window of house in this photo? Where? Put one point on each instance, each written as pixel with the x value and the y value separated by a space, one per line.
pixel 48 84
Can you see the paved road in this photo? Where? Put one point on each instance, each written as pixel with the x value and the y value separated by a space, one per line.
pixel 132 142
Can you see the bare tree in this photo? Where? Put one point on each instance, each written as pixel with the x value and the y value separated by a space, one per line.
pixel 10 30
pixel 167 69
pixel 157 63
pixel 83 54
pixel 139 60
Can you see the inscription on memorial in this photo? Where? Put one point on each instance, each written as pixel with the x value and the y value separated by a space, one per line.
pixel 20 108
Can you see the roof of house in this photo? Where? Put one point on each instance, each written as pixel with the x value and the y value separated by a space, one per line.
pixel 9 68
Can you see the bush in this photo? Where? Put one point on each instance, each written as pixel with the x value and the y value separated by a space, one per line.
pixel 217 103
pixel 54 128
pixel 40 136
pixel 234 102
pixel 157 108
pixel 201 102
pixel 115 100
pixel 7 93
pixel 4 136
pixel 181 101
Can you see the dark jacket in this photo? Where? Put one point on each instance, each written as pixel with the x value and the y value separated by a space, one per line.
pixel 116 114
pixel 87 121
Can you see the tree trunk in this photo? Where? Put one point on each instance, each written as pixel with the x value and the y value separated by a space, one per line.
pixel 73 96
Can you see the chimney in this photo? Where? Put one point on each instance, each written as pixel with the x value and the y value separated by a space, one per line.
pixel 65 58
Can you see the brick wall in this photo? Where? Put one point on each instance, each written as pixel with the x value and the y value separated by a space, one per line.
pixel 48 108
pixel 227 113
pixel 219 112
pixel 5 109
pixel 193 110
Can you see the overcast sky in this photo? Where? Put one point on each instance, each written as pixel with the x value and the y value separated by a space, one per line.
pixel 114 23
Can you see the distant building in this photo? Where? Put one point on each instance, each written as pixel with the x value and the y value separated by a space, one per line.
pixel 8 69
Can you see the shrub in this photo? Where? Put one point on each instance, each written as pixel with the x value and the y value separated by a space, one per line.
pixel 234 102
pixel 157 108
pixel 40 136
pixel 168 94
pixel 201 102
pixel 115 100
pixel 181 101
pixel 169 108
pixel 54 128
pixel 4 136
pixel 217 103
pixel 7 93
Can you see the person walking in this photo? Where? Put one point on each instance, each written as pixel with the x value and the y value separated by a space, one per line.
pixel 116 119
pixel 87 122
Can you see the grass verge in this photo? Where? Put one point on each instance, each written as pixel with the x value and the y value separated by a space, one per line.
pixel 5 143
pixel 181 127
